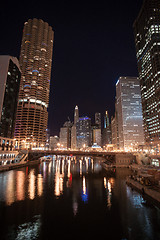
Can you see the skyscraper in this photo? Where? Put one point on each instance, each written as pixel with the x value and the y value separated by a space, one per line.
pixel 76 115
pixel 129 112
pixel 35 63
pixel 106 131
pixel 147 41
pixel 73 130
pixel 98 119
pixel 83 128
pixel 65 134
pixel 96 135
pixel 96 130
pixel 106 120
pixel 10 75
pixel 114 129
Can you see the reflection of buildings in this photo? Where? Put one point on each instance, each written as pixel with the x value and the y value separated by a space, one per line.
pixel 35 64
pixel 84 190
pixel 147 41
pixel 69 173
pixel 129 112
pixel 18 183
pixel 10 75
pixel 108 185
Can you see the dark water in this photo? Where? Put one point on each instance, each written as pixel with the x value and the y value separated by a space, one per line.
pixel 73 198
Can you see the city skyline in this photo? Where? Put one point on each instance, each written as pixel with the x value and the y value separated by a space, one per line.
pixel 94 45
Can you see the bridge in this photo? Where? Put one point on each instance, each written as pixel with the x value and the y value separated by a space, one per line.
pixel 116 158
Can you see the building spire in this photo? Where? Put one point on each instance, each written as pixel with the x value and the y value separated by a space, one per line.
pixel 76 114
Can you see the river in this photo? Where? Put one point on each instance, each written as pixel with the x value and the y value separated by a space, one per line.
pixel 73 197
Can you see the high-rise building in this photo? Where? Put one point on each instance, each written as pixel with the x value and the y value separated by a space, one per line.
pixel 73 130
pixel 96 130
pixel 114 130
pixel 35 63
pixel 98 119
pixel 65 134
pixel 76 115
pixel 10 75
pixel 96 136
pixel 106 120
pixel 106 131
pixel 53 142
pixel 83 128
pixel 64 137
pixel 129 113
pixel 147 41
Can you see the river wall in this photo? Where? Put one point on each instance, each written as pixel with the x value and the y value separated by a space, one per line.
pixel 145 190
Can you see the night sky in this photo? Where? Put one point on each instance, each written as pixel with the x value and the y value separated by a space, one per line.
pixel 93 47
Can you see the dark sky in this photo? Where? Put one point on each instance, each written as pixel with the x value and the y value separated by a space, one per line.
pixel 93 47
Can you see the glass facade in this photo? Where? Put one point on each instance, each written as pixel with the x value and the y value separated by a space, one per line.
pixel 129 112
pixel 98 120
pixel 11 82
pixel 83 129
pixel 73 130
pixel 147 41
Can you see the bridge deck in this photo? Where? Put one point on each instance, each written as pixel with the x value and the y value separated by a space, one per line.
pixel 32 154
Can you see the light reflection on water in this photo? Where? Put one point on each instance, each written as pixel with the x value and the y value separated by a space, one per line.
pixel 29 230
pixel 73 192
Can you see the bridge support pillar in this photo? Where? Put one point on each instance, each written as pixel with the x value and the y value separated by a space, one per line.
pixel 124 159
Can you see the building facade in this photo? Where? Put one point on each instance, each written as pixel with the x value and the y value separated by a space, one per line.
pixel 53 142
pixel 83 128
pixel 106 131
pixel 129 113
pixel 73 130
pixel 114 131
pixel 98 120
pixel 147 42
pixel 65 135
pixel 96 136
pixel 10 75
pixel 35 64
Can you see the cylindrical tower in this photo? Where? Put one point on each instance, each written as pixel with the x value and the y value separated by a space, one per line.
pixel 35 63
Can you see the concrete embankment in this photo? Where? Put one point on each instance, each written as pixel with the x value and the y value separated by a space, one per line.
pixel 153 194
pixel 18 165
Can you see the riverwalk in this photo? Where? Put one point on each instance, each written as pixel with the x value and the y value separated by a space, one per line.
pixel 18 165
pixel 153 192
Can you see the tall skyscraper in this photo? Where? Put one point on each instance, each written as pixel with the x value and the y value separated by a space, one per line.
pixel 96 130
pixel 96 135
pixel 106 131
pixel 98 120
pixel 35 63
pixel 147 41
pixel 83 128
pixel 106 120
pixel 114 130
pixel 10 75
pixel 65 134
pixel 73 130
pixel 129 112
pixel 76 115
